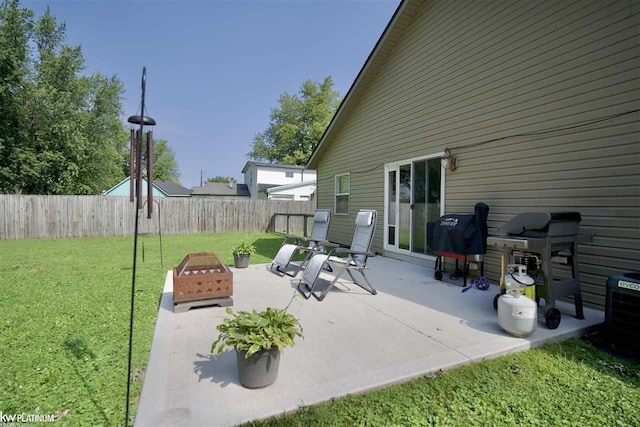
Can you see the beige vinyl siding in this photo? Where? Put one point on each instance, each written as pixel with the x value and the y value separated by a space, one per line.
pixel 466 73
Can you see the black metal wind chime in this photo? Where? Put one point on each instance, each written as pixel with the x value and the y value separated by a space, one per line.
pixel 135 177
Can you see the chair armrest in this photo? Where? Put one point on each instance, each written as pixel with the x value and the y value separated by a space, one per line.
pixel 301 239
pixel 354 252
pixel 326 243
pixel 309 239
pixel 321 242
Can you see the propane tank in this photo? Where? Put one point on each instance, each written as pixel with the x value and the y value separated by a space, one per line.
pixel 517 314
pixel 517 277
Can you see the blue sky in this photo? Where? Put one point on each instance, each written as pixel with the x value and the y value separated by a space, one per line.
pixel 215 68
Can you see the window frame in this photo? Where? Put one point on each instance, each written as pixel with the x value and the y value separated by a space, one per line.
pixel 336 194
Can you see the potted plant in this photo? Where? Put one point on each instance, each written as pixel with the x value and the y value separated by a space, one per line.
pixel 242 253
pixel 258 338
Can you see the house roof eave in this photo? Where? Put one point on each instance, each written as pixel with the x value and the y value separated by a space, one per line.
pixel 271 165
pixel 144 179
pixel 290 186
pixel 395 29
pixel 104 193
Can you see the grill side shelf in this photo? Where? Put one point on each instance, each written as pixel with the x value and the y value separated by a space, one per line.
pixel 516 243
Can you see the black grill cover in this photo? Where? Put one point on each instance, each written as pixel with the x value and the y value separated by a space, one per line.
pixel 462 234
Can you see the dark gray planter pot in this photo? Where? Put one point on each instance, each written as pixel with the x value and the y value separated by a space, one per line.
pixel 260 369
pixel 241 260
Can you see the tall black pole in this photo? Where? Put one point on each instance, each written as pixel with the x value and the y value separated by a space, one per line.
pixel 133 282
pixel 138 205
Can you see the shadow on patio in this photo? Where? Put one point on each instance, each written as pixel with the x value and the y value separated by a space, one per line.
pixel 353 342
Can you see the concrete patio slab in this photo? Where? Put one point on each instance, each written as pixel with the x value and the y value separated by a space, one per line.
pixel 353 342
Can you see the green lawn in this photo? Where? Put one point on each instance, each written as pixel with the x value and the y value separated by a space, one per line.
pixel 64 338
pixel 65 319
pixel 570 383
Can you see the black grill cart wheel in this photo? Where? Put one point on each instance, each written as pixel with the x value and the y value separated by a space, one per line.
pixel 552 318
pixel 438 275
pixel 495 301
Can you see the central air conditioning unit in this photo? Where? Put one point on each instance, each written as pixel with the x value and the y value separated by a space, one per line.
pixel 622 311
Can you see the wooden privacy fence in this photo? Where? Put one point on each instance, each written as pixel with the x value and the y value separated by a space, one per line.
pixel 41 217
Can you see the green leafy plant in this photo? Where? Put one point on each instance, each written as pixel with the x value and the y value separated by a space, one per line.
pixel 244 249
pixel 254 331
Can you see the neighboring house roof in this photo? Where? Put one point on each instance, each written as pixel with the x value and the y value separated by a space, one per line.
pixel 292 186
pixel 397 26
pixel 164 188
pixel 172 189
pixel 271 165
pixel 243 190
pixel 221 189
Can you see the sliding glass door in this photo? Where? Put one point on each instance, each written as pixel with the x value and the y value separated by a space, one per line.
pixel 413 197
pixel 404 203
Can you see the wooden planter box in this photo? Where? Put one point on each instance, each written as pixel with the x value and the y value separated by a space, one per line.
pixel 200 277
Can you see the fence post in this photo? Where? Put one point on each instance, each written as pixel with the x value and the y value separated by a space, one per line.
pixel 304 224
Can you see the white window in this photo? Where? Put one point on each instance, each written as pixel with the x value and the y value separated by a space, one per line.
pixel 342 191
pixel 289 174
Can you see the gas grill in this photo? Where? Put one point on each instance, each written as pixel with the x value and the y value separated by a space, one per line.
pixel 543 242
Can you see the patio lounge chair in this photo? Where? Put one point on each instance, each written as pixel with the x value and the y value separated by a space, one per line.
pixel 356 260
pixel 309 245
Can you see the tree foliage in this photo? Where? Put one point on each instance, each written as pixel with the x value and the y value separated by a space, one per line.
pixel 165 167
pixel 60 130
pixel 297 125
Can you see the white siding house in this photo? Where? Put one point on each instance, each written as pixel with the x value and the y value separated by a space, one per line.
pixel 260 176
pixel 301 191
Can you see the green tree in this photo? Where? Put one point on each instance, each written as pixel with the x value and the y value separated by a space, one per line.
pixel 165 166
pixel 296 127
pixel 64 132
pixel 16 26
pixel 219 178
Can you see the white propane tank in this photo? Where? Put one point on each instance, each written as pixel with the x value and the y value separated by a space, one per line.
pixel 517 314
pixel 517 276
